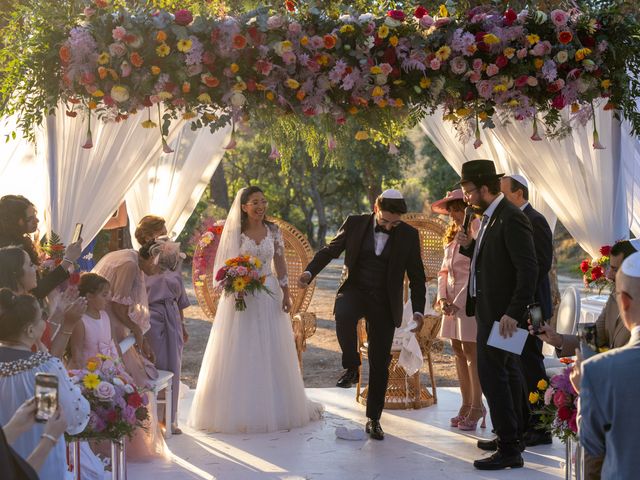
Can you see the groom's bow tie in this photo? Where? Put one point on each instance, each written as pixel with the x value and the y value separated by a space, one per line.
pixel 380 229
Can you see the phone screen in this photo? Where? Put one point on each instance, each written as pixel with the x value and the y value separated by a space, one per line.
pixel 535 316
pixel 76 233
pixel 588 339
pixel 46 396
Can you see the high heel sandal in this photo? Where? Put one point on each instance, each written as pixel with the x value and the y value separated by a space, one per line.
pixel 461 416
pixel 469 424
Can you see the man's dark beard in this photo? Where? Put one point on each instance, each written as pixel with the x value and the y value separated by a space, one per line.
pixel 480 208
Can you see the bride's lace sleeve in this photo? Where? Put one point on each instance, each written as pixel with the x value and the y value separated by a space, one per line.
pixel 279 259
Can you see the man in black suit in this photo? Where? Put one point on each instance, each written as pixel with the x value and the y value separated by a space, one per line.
pixel 501 285
pixel 379 248
pixel 516 189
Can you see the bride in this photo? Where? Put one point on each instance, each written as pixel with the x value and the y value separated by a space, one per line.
pixel 250 381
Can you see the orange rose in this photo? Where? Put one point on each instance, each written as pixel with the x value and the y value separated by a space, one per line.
pixel 65 54
pixel 239 42
pixel 565 37
pixel 329 41
pixel 186 87
pixel 210 80
pixel 136 59
pixel 102 73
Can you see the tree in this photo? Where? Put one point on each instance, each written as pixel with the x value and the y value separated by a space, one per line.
pixel 439 175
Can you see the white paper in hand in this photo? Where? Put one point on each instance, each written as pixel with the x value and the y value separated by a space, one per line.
pixel 513 344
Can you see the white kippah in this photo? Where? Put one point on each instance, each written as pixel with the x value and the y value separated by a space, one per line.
pixel 520 179
pixel 631 265
pixel 392 193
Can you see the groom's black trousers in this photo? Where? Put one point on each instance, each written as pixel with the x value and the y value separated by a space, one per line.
pixel 352 304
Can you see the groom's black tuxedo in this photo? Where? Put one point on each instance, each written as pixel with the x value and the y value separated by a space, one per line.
pixel 372 287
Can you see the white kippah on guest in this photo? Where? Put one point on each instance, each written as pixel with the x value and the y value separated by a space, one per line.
pixel 520 179
pixel 392 193
pixel 631 265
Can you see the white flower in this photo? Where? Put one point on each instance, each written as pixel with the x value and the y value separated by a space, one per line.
pixel 562 56
pixel 238 99
pixel 392 22
pixel 275 21
pixel 128 388
pixel 381 79
pixel 365 18
pixel 346 18
pixel 120 93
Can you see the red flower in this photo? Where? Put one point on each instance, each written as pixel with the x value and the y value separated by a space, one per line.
pixel 480 36
pixel 597 272
pixel 584 266
pixel 74 278
pixel 605 250
pixel 396 15
pixel 239 42
pixel 183 17
pixel 291 5
pixel 502 61
pixel 558 102
pixel 111 416
pixel 420 12
pixel 565 37
pixel 564 413
pixel 329 41
pixel 134 400
pixel 220 275
pixel 510 16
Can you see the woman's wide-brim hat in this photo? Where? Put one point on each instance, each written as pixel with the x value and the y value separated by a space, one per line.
pixel 440 206
pixel 475 170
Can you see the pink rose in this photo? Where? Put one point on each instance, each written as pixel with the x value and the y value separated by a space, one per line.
pixel 492 69
pixel 295 28
pixel 117 50
pixel 441 22
pixel 289 58
pixel 183 17
pixel 386 68
pixel 475 76
pixel 458 65
pixel 521 81
pixel 484 89
pixel 532 81
pixel 119 33
pixel 522 53
pixel 316 42
pixel 477 64
pixel 559 18
pixel 559 398
pixel 105 391
pixel 275 21
pixel 426 21
pixel 435 64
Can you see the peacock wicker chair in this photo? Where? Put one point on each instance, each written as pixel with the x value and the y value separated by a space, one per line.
pixel 404 391
pixel 298 253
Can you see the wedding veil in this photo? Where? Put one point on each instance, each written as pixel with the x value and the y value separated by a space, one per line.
pixel 229 245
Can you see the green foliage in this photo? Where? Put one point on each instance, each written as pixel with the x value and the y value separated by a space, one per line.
pixel 439 175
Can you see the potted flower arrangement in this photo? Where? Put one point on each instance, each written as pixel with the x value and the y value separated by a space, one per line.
pixel 557 404
pixel 594 271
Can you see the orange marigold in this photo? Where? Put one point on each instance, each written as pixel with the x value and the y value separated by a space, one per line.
pixel 65 54
pixel 329 41
pixel 239 42
pixel 136 59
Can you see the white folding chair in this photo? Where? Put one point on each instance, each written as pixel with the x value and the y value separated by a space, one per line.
pixel 566 324
pixel 163 382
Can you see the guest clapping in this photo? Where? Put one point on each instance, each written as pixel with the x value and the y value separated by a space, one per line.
pixel 18 219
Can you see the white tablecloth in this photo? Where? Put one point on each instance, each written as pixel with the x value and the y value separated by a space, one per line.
pixel 590 308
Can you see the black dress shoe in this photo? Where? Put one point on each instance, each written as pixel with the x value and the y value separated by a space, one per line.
pixel 349 378
pixel 537 437
pixel 492 445
pixel 374 429
pixel 499 461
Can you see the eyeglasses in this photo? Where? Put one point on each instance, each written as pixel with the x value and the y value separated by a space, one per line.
pixel 257 203
pixel 384 221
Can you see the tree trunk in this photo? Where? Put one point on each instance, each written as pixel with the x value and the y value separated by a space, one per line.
pixel 318 203
pixel 218 187
pixel 373 186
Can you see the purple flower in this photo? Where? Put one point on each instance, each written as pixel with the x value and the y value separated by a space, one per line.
pixel 549 71
pixel 129 414
pixel 105 391
pixel 194 56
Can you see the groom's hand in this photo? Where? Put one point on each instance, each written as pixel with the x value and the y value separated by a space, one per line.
pixel 419 319
pixel 304 279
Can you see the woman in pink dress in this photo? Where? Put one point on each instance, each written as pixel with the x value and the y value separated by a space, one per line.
pixel 456 325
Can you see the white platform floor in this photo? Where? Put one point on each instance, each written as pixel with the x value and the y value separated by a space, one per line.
pixel 419 444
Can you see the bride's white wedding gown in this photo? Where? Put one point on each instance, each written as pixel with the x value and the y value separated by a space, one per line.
pixel 250 381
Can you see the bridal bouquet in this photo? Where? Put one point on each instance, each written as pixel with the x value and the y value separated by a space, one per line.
pixel 557 404
pixel 118 406
pixel 240 276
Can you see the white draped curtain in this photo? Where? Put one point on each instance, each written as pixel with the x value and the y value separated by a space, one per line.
pixel 444 137
pixel 173 183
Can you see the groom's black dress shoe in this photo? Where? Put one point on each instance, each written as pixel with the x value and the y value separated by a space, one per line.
pixel 349 378
pixel 492 445
pixel 499 461
pixel 374 429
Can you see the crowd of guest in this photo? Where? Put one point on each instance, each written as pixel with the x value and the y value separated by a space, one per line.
pixel 50 325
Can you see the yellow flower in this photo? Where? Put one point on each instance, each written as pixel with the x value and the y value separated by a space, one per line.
pixel 393 41
pixel 155 70
pixel 188 115
pixel 304 41
pixel 575 107
pixel 490 39
pixel 204 98
pixel 257 263
pixel 323 59
pixel 98 93
pixel 442 11
pixel 483 115
pixel 165 95
pixel 239 284
pixel 425 82
pixel 347 29
pixel 377 92
pixel 91 381
pixel 184 45
pixel 443 53
pixel 149 124
pixel 362 135
pixel 534 397
pixel 500 88
pixel 509 52
pixel 234 67
pixel 538 63
pixel 210 116
pixel 239 87
pixel 286 45
pixel 513 102
pixel 449 117
pixel 583 52
pixel 163 50
pixel 292 83
pixel 533 39
pixel 91 105
pixel 399 102
pixel 92 365
pixel 382 103
pixel 542 384
pixel 103 58
pixel 270 96
pixel 383 31
pixel 375 70
pixel 463 112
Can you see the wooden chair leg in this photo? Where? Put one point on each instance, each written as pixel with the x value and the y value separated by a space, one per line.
pixel 433 380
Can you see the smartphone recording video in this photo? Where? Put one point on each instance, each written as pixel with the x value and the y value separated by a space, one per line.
pixel 46 396
pixel 588 339
pixel 535 317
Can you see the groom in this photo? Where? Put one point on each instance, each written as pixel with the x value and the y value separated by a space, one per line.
pixel 379 248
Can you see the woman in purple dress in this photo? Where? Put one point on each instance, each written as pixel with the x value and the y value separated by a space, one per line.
pixel 167 300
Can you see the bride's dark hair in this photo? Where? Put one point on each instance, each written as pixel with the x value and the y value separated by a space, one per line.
pixel 244 198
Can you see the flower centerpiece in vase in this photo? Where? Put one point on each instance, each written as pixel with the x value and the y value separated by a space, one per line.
pixel 118 406
pixel 240 276
pixel 557 404
pixel 594 271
